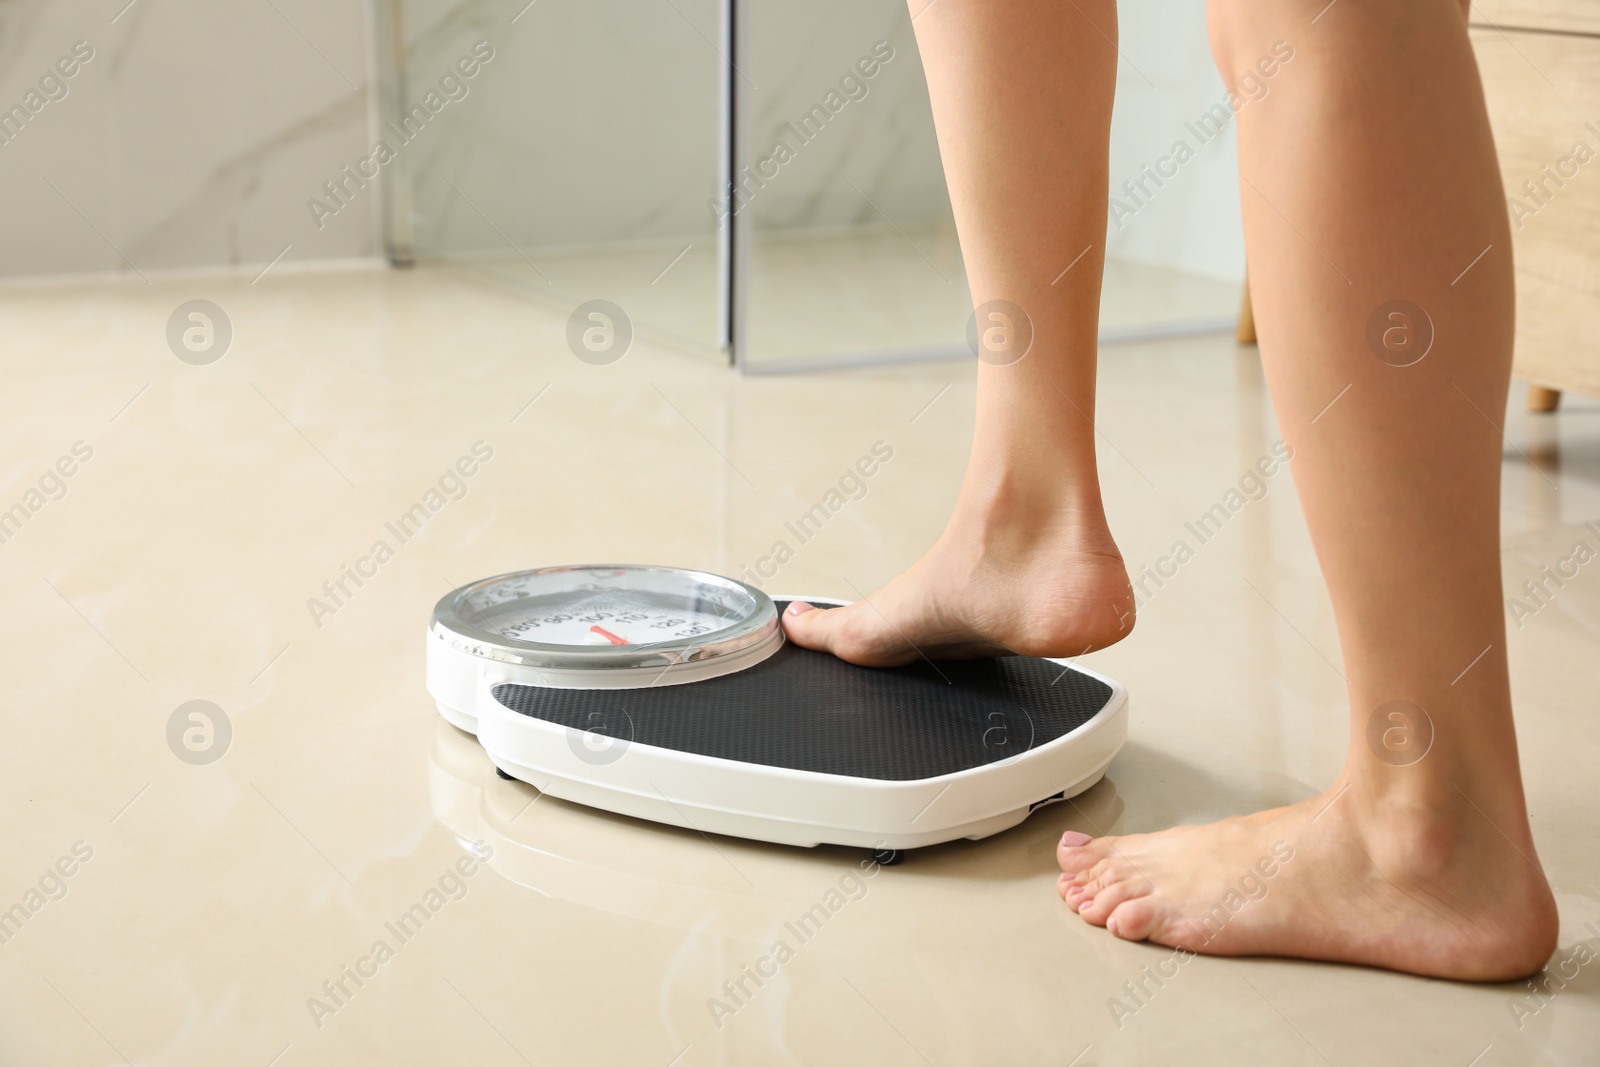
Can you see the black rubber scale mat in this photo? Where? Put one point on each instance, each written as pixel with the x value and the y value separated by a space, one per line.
pixel 809 711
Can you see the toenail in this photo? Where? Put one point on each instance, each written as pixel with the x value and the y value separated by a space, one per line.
pixel 800 607
pixel 1111 925
pixel 1073 839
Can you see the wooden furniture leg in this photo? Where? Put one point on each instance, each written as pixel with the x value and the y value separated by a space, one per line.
pixel 1542 399
pixel 1246 333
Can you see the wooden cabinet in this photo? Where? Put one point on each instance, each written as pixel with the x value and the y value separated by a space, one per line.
pixel 1561 16
pixel 1540 61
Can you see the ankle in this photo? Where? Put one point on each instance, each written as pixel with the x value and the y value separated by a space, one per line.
pixel 1427 823
pixel 1017 502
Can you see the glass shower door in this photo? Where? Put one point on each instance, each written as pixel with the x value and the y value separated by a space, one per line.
pixel 579 163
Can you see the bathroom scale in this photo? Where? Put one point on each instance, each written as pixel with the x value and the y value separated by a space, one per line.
pixel 671 695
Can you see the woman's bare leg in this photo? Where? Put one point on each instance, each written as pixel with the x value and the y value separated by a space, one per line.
pixel 1021 95
pixel 1371 177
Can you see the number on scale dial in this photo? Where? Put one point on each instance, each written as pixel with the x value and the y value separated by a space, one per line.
pixel 605 625
pixel 611 618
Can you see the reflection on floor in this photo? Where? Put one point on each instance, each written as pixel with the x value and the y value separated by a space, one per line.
pixel 819 298
pixel 232 910
pixel 668 289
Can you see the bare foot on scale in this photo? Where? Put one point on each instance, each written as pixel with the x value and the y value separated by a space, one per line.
pixel 1004 578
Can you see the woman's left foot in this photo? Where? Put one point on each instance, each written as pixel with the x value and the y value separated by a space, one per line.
pixel 1433 889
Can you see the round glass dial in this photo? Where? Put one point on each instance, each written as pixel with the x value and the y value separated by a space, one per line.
pixel 610 618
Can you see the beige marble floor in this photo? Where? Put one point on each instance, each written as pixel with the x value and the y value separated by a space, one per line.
pixel 888 293
pixel 207 904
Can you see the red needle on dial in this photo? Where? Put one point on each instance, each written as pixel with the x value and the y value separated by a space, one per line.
pixel 608 635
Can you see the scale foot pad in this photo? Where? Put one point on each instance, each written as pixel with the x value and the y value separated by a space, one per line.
pixel 809 711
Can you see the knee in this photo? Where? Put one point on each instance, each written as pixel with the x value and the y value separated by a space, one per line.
pixel 1254 36
pixel 1243 32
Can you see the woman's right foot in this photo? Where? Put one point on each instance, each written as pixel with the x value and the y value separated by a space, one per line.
pixel 1023 579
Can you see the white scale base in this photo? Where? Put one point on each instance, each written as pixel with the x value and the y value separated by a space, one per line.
pixel 761 802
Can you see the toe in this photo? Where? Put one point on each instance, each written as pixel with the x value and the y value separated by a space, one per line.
pixel 855 633
pixel 1090 883
pixel 1133 919
pixel 1074 892
pixel 805 625
pixel 1106 869
pixel 1078 852
pixel 1111 895
pixel 1082 894
pixel 811 627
